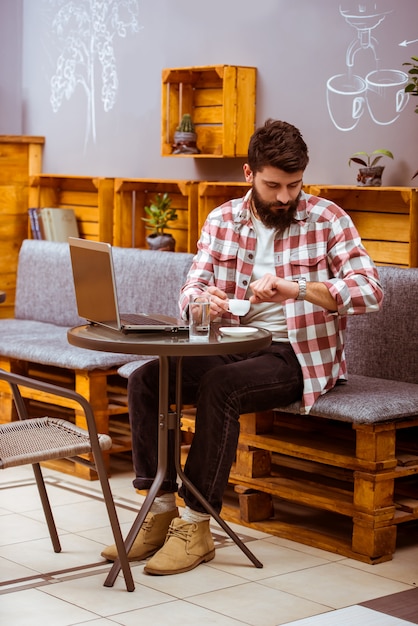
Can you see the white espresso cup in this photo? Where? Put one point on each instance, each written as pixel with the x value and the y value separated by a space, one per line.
pixel 238 307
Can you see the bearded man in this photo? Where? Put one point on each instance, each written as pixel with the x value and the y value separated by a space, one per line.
pixel 300 262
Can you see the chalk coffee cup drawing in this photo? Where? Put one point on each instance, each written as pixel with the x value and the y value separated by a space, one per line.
pixel 345 100
pixel 199 317
pixel 386 96
pixel 238 307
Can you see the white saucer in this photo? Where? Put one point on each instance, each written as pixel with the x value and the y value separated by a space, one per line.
pixel 238 331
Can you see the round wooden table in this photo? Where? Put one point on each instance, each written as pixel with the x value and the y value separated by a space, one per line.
pixel 166 345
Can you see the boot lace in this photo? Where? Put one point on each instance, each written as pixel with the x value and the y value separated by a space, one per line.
pixel 182 532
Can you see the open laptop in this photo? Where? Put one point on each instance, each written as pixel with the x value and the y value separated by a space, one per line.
pixel 96 295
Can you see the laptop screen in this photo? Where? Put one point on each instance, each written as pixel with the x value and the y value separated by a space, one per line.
pixel 94 281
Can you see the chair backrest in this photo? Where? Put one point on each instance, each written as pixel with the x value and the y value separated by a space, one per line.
pixel 385 344
pixel 147 281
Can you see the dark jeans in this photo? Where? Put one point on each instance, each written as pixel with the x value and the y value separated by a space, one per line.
pixel 221 387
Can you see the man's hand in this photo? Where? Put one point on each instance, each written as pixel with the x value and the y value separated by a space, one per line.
pixel 218 302
pixel 270 288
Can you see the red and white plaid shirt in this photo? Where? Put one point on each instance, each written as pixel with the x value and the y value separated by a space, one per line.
pixel 323 245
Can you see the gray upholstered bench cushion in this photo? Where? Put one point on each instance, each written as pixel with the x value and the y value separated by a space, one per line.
pixel 147 282
pixel 39 342
pixel 128 368
pixel 45 288
pixel 382 359
pixel 365 400
pixel 361 400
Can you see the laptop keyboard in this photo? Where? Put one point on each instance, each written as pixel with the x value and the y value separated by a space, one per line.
pixel 137 318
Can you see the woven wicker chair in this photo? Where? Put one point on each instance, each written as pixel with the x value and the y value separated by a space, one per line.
pixel 31 440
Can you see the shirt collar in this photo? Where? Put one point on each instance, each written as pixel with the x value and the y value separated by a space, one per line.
pixel 302 210
pixel 244 214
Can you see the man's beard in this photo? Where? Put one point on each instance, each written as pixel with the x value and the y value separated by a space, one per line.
pixel 279 220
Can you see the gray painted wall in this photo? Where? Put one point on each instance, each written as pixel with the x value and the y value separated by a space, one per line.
pixel 298 47
pixel 11 67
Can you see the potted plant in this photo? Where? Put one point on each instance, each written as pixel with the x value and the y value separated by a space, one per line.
pixel 412 86
pixel 185 137
pixel 371 173
pixel 159 215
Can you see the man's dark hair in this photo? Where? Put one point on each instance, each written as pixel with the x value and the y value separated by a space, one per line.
pixel 277 144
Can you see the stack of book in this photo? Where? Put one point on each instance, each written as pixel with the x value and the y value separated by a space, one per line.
pixel 53 224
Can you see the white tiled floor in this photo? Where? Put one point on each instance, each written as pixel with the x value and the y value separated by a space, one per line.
pixel 298 585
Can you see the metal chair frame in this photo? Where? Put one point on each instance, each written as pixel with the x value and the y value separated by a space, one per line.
pixel 65 440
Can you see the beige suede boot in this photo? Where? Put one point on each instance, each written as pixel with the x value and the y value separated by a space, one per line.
pixel 149 539
pixel 187 544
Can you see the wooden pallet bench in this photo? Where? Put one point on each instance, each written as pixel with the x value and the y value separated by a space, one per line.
pixel 34 342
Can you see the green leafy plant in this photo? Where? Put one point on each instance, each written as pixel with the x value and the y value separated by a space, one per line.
pixel 159 213
pixel 186 125
pixel 369 159
pixel 412 86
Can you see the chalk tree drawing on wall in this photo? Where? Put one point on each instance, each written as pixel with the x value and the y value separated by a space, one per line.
pixel 381 92
pixel 85 30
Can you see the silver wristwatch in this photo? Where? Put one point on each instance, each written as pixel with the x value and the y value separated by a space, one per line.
pixel 302 288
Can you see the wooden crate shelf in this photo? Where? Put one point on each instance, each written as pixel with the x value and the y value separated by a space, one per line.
pixel 133 194
pixel 221 100
pixel 90 197
pixel 213 194
pixel 20 157
pixel 386 218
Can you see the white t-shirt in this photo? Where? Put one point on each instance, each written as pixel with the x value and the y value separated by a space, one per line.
pixel 267 315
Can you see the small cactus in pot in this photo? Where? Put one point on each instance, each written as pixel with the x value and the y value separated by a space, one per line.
pixel 185 137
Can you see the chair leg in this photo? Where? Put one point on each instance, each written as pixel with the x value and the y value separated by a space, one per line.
pixel 114 521
pixel 46 507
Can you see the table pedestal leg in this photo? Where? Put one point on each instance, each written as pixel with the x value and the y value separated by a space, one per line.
pixel 163 427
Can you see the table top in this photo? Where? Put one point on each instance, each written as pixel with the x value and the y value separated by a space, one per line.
pixel 165 344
